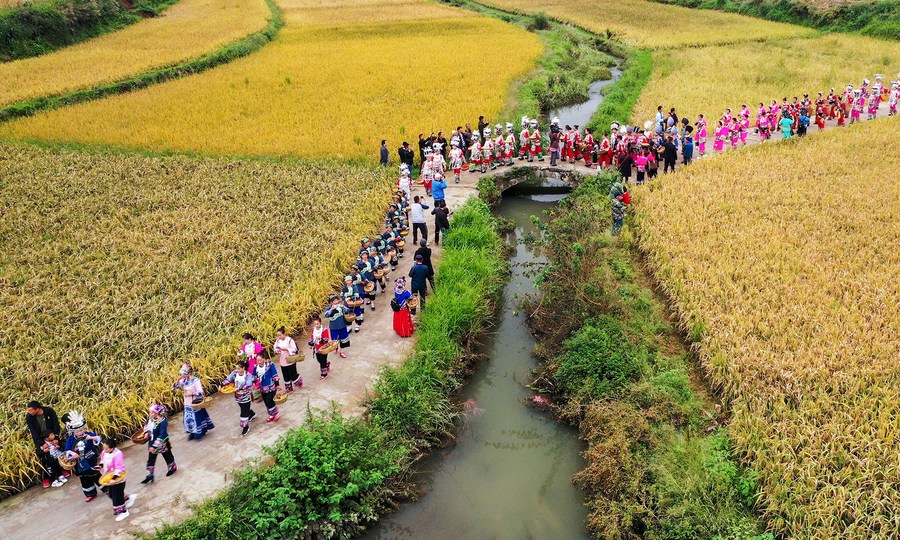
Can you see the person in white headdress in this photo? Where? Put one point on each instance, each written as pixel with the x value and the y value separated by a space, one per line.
pixel 524 139
pixel 83 447
pixel 487 151
pixel 457 159
pixel 534 135
pixel 509 144
pixel 475 161
pixel 499 145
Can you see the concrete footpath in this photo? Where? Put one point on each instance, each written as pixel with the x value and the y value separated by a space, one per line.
pixel 206 467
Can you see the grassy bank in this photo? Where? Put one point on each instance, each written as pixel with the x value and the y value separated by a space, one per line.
pixel 880 18
pixel 335 475
pixel 660 466
pixel 38 28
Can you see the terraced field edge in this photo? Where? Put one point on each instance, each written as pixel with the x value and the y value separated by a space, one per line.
pixel 241 48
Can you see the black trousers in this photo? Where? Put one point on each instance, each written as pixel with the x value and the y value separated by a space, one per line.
pixel 437 234
pixel 419 227
pixel 289 372
pixel 50 467
pixel 323 362
pixel 269 399
pixel 246 411
pixel 166 454
pixel 89 483
pixel 422 293
pixel 117 494
pixel 668 165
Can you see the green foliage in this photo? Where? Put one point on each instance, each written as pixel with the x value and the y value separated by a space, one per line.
pixel 324 478
pixel 489 191
pixel 539 21
pixel 33 29
pixel 244 47
pixel 621 96
pixel 599 360
pixel 878 18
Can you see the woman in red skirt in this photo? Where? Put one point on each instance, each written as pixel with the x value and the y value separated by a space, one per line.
pixel 403 323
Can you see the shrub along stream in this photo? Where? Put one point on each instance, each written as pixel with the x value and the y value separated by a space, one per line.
pixel 660 464
pixel 335 475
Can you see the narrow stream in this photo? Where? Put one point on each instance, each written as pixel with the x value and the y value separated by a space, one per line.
pixel 581 113
pixel 509 475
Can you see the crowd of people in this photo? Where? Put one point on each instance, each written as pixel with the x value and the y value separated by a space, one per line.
pixel 97 461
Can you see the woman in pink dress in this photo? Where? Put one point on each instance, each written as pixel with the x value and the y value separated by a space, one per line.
pixel 721 134
pixel 701 136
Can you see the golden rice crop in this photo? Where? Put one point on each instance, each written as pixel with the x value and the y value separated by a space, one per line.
pixel 782 259
pixel 711 79
pixel 189 29
pixel 336 87
pixel 117 267
pixel 656 26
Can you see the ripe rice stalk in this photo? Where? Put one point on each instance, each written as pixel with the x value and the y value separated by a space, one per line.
pixel 189 29
pixel 120 267
pixel 787 280
pixel 299 95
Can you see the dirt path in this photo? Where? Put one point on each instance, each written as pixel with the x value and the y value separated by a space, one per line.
pixel 205 467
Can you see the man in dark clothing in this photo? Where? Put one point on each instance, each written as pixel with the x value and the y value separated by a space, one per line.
pixel 385 155
pixel 425 252
pixel 406 156
pixel 441 140
pixel 423 142
pixel 42 422
pixel 670 154
pixel 482 123
pixel 467 140
pixel 441 221
pixel 418 278
pixel 625 167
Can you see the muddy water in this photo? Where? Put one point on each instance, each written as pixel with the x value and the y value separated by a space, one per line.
pixel 509 475
pixel 581 113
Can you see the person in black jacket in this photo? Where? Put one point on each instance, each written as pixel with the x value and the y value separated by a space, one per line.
pixel 670 154
pixel 42 422
pixel 625 167
pixel 441 221
pixel 406 156
pixel 425 252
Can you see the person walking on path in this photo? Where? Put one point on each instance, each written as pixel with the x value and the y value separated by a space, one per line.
pixel 418 275
pixel 417 218
pixel 425 252
pixel 288 356
pixel 243 380
pixel 196 421
pixel 267 375
pixel 385 155
pixel 438 185
pixel 43 423
pixel 113 461
pixel 82 446
pixel 337 326
pixel 403 323
pixel 554 147
pixel 406 156
pixel 318 339
pixel 441 221
pixel 157 428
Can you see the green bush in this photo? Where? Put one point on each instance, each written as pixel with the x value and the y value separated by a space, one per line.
pixel 599 359
pixel 324 478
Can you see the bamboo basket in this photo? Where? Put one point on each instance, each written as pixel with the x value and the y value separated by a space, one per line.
pixel 108 480
pixel 329 348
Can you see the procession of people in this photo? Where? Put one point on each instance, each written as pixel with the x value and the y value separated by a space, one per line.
pixel 65 446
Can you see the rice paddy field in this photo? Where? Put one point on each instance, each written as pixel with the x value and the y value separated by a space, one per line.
pixel 404 81
pixel 708 80
pixel 187 30
pixel 787 278
pixel 120 266
pixel 652 25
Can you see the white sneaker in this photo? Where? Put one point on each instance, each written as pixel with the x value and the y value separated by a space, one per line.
pixel 122 516
pixel 62 479
pixel 57 483
pixel 129 502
